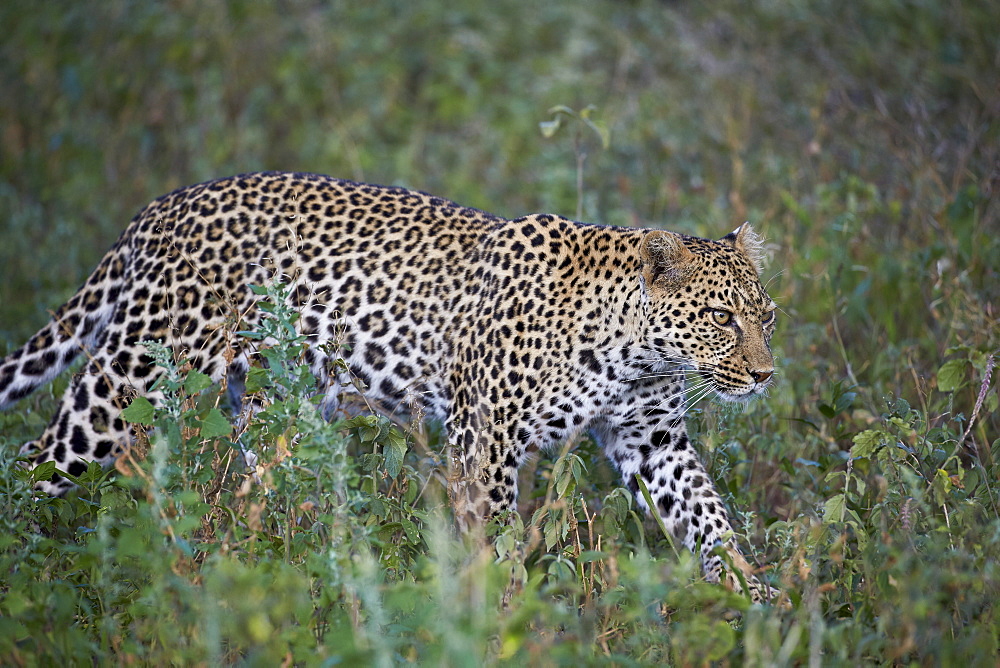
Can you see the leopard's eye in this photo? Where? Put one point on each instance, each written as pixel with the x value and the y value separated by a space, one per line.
pixel 768 318
pixel 722 317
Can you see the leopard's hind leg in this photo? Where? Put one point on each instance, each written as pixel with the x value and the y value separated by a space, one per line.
pixel 87 425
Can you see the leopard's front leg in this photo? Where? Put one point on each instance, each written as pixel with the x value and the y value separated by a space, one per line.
pixel 482 476
pixel 649 439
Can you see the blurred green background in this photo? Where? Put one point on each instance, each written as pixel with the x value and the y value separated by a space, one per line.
pixel 861 138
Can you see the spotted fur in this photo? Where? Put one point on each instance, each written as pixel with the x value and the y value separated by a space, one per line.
pixel 513 333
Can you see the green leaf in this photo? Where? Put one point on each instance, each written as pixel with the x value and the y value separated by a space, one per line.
pixel 15 603
pixel 44 471
pixel 615 510
pixel 866 443
pixel 708 640
pixel 410 529
pixel 562 484
pixel 394 452
pixel 562 109
pixel 140 411
pixel 859 528
pixel 196 381
pixel 591 555
pixel 602 131
pixel 410 495
pixel 951 375
pixel 560 570
pixel 551 533
pixel 941 485
pixel 370 461
pixel 844 401
pixel 256 379
pixel 834 508
pixel 566 473
pixel 396 439
pixel 215 424
pixel 549 128
pixel 378 507
pixel 504 544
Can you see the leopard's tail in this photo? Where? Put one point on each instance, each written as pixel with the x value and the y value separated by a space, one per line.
pixel 75 327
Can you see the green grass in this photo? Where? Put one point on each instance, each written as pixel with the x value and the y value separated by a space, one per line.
pixel 860 138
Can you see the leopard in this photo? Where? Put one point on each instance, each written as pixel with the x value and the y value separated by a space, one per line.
pixel 513 334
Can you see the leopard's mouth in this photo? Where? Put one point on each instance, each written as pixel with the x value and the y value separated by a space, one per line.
pixel 727 392
pixel 728 395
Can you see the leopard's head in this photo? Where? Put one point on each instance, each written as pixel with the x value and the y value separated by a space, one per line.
pixel 707 309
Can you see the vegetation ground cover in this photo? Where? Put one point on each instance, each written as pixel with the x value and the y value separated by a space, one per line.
pixel 861 139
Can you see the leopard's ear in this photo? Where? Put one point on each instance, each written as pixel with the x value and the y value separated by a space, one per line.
pixel 666 261
pixel 748 242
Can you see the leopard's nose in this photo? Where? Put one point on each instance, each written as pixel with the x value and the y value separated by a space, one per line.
pixel 761 375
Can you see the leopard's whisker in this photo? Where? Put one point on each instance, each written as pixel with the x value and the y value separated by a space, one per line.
pixel 705 385
pixel 770 280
